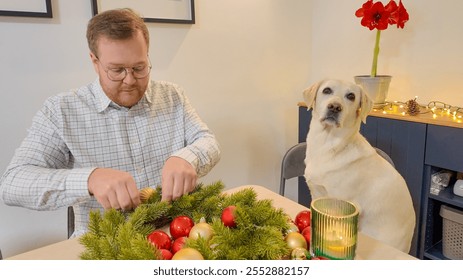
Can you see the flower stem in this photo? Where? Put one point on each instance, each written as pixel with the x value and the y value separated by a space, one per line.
pixel 374 67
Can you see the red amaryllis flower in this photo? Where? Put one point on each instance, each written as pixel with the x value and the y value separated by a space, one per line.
pixel 402 15
pixel 366 6
pixel 377 16
pixel 391 7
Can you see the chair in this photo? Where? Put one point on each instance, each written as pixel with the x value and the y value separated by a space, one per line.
pixel 385 156
pixel 70 221
pixel 293 164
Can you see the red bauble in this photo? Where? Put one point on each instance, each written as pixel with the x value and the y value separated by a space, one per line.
pixel 302 220
pixel 160 239
pixel 228 216
pixel 306 233
pixel 178 244
pixel 181 226
pixel 166 254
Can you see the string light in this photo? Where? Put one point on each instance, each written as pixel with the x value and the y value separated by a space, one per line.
pixel 438 109
pixel 444 109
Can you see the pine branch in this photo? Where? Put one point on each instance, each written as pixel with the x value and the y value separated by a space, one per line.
pixel 258 234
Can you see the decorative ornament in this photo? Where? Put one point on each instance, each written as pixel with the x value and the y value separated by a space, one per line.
pixel 292 227
pixel 160 239
pixel 228 216
pixel 299 253
pixel 413 108
pixel 302 220
pixel 166 254
pixel 188 254
pixel 307 233
pixel 295 240
pixel 178 244
pixel 201 230
pixel 145 193
pixel 181 226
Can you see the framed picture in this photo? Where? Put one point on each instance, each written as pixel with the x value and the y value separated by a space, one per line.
pixel 26 8
pixel 168 11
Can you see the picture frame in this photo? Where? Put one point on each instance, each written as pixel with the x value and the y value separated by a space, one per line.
pixel 164 11
pixel 26 8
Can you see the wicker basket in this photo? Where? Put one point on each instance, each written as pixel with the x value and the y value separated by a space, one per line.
pixel 452 232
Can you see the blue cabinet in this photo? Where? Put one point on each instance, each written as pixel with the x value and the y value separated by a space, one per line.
pixel 403 141
pixel 443 152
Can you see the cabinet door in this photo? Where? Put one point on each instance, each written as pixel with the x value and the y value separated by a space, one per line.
pixel 444 147
pixel 403 141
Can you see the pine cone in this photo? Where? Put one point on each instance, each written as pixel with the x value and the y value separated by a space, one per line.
pixel 413 108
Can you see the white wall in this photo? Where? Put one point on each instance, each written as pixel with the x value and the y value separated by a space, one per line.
pixel 243 65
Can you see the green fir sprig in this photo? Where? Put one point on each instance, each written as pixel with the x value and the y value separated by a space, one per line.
pixel 259 234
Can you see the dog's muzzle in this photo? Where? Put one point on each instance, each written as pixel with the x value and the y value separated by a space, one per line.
pixel 332 113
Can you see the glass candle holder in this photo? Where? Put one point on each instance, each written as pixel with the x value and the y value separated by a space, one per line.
pixel 334 227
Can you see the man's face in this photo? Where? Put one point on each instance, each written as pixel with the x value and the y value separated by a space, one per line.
pixel 113 57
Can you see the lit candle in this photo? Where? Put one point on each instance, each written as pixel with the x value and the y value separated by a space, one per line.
pixel 338 242
pixel 334 228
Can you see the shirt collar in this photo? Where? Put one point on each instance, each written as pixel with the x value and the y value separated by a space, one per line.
pixel 148 95
pixel 103 101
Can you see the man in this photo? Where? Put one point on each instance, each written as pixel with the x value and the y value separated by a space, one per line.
pixel 95 147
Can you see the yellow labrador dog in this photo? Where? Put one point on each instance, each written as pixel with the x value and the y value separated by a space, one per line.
pixel 341 163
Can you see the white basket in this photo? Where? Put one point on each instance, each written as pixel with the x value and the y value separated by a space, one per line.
pixel 452 232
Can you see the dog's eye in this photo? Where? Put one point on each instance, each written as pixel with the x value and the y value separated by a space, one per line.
pixel 350 96
pixel 327 90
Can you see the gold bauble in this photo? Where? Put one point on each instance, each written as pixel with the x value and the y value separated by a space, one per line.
pixel 292 227
pixel 295 240
pixel 145 194
pixel 187 254
pixel 201 229
pixel 299 254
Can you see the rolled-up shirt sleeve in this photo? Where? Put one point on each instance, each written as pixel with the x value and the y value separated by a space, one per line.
pixel 201 146
pixel 41 176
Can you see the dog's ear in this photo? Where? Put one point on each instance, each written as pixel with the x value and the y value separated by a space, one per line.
pixel 366 104
pixel 309 94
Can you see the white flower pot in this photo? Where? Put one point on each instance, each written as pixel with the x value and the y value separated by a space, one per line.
pixel 376 87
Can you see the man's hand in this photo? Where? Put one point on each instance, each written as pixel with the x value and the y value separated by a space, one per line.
pixel 178 178
pixel 114 189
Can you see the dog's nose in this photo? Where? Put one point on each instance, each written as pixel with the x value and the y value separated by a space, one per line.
pixel 335 107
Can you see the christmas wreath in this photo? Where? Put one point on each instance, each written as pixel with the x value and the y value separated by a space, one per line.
pixel 233 226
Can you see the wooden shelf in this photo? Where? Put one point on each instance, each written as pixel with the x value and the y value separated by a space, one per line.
pixel 435 252
pixel 447 196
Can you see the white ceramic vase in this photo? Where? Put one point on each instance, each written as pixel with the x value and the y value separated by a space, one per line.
pixel 376 87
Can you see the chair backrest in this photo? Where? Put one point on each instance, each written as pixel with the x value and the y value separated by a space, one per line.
pixel 70 221
pixel 385 156
pixel 293 164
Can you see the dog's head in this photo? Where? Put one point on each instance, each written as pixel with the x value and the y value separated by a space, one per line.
pixel 335 101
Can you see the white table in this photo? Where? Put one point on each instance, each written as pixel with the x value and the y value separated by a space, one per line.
pixel 367 247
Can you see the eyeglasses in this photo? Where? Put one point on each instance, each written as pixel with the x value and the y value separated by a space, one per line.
pixel 119 73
